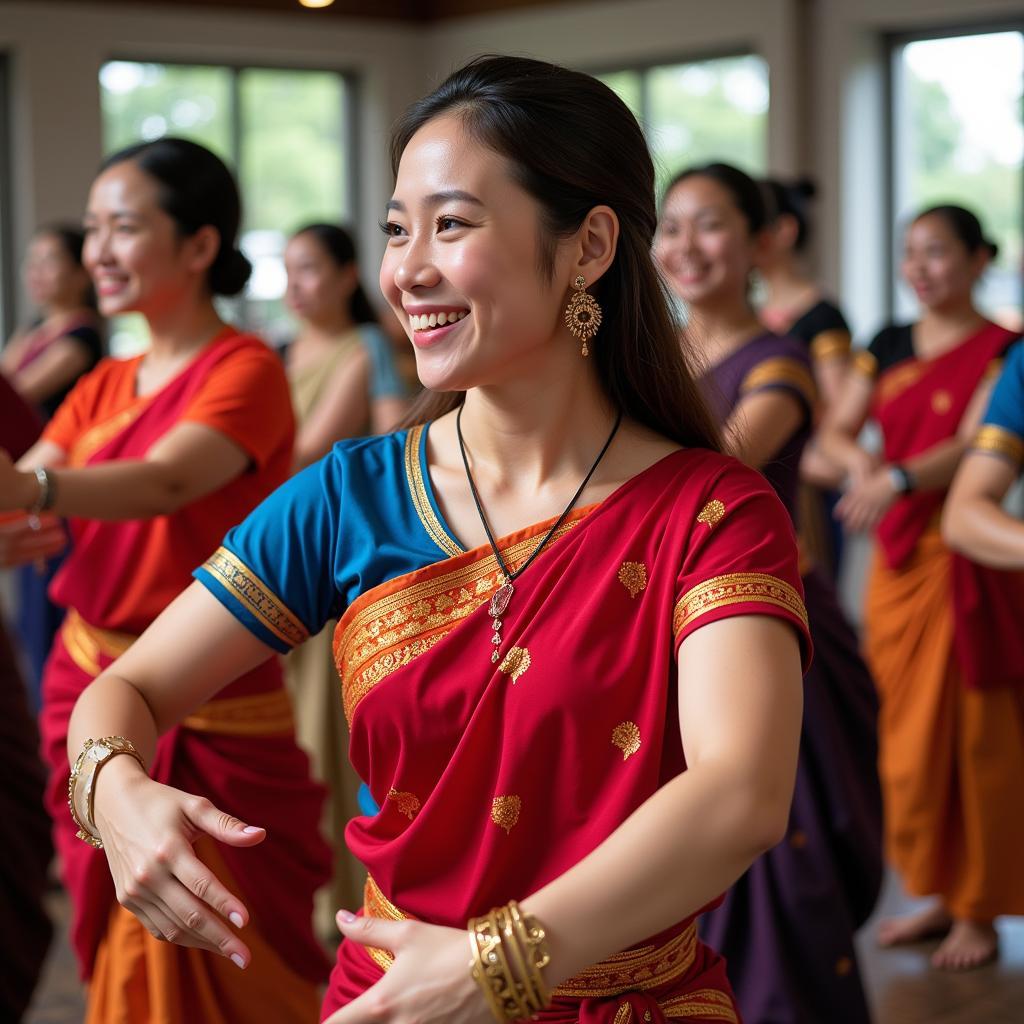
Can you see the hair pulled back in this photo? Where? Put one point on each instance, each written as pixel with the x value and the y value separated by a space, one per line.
pixel 965 225
pixel 573 145
pixel 745 193
pixel 196 189
pixel 340 248
pixel 71 239
pixel 791 199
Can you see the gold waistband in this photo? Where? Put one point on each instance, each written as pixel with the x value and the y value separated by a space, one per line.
pixel 263 714
pixel 633 970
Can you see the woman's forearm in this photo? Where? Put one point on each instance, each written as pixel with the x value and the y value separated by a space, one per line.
pixel 840 449
pixel 681 849
pixel 111 706
pixel 979 528
pixel 934 469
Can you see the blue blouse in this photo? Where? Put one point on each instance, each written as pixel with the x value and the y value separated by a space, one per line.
pixel 1002 430
pixel 291 566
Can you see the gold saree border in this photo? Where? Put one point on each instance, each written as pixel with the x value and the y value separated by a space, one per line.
pixel 245 585
pixel 895 381
pixel 641 969
pixel 781 370
pixel 999 441
pixel 420 498
pixel 378 637
pixel 705 1003
pixel 834 343
pixel 86 643
pixel 736 588
pixel 96 437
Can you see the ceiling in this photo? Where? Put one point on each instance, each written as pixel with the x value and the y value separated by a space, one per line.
pixel 392 10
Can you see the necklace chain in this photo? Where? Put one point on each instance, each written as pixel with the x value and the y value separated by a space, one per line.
pixel 500 600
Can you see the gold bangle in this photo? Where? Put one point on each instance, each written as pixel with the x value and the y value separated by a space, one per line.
pixel 478 941
pixel 534 940
pixel 94 754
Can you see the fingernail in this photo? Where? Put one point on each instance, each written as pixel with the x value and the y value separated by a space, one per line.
pixel 236 918
pixel 238 961
pixel 251 829
pixel 346 916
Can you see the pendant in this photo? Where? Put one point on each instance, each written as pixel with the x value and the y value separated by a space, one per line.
pixel 499 603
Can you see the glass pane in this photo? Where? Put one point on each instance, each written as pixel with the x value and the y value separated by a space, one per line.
pixel 959 138
pixel 142 101
pixel 145 101
pixel 293 170
pixel 709 110
pixel 628 85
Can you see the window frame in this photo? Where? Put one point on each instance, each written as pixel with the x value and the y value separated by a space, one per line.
pixel 8 275
pixel 893 43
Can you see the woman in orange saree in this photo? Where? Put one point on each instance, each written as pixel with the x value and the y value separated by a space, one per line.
pixel 150 465
pixel 940 631
pixel 608 729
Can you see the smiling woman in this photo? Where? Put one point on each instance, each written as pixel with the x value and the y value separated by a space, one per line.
pixel 547 681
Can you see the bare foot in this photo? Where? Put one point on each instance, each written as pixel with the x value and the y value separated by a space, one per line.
pixel 969 944
pixel 925 924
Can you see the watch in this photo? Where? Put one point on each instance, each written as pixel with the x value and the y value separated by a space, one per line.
pixel 95 754
pixel 901 478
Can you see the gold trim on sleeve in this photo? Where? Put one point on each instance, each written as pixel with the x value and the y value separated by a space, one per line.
pixel 242 583
pixel 736 588
pixel 999 441
pixel 420 499
pixel 831 344
pixel 781 371
pixel 706 1003
pixel 864 362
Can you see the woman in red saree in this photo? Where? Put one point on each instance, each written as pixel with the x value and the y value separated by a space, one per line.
pixel 597 712
pixel 150 459
pixel 941 632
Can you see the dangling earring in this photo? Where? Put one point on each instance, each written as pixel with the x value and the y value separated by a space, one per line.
pixel 583 314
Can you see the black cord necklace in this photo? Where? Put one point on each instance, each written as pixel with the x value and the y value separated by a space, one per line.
pixel 503 595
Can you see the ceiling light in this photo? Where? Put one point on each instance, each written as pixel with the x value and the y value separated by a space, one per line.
pixel 316 3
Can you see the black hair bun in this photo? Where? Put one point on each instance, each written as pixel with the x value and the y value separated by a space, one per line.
pixel 230 273
pixel 993 249
pixel 805 188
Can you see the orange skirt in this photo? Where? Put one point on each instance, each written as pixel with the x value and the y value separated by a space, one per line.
pixel 951 760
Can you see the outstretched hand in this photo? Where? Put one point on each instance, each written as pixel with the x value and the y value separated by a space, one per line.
pixel 148 830
pixel 429 982
pixel 25 538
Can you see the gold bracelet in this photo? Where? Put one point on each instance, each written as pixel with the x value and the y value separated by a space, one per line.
pixel 94 754
pixel 509 952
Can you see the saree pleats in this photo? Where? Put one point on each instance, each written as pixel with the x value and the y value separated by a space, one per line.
pixel 786 928
pixel 239 751
pixel 951 758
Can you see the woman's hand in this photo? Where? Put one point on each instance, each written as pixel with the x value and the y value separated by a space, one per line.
pixel 864 504
pixel 18 489
pixel 860 466
pixel 26 538
pixel 429 983
pixel 148 830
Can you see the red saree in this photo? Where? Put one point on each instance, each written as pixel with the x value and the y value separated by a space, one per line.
pixel 239 750
pixel 494 780
pixel 918 404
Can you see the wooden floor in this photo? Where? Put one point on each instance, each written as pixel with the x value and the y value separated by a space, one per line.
pixel 902 987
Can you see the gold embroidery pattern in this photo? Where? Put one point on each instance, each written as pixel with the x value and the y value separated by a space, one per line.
pixel 633 576
pixel 942 401
pixel 635 969
pixel 505 812
pixel 263 714
pixel 830 344
pixel 626 736
pixel 407 803
pixel 736 588
pixel 1000 441
pixel 96 437
pixel 515 663
pixel 376 904
pixel 705 1003
pixel 420 500
pixel 375 639
pixel 253 593
pixel 864 362
pixel 711 514
pixel 624 1014
pixel 781 370
pixel 895 381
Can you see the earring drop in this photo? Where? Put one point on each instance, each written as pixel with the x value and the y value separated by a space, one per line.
pixel 583 314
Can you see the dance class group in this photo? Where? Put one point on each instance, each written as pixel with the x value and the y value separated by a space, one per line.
pixel 511 683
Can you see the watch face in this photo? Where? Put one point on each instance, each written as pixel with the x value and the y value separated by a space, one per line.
pixel 99 751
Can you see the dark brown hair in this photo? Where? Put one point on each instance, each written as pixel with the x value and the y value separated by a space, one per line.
pixel 573 145
pixel 745 193
pixel 71 238
pixel 339 246
pixel 964 225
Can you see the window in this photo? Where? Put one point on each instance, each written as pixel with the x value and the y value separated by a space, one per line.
pixel 284 132
pixel 699 111
pixel 958 137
